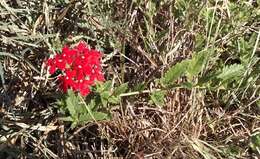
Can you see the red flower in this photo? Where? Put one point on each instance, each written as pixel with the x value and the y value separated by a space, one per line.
pixel 52 69
pixel 82 46
pixel 80 67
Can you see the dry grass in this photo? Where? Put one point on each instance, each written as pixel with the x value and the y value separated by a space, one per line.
pixel 140 41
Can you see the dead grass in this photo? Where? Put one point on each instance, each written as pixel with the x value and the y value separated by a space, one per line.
pixel 140 41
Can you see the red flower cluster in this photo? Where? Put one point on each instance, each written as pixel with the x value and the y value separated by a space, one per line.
pixel 80 68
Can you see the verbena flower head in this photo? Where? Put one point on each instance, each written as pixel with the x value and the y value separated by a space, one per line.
pixel 80 67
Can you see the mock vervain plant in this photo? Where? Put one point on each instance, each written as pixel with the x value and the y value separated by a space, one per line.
pixel 80 74
pixel 80 67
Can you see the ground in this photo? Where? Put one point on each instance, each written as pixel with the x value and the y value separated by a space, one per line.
pixel 181 79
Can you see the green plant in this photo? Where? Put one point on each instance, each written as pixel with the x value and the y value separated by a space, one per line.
pixel 95 107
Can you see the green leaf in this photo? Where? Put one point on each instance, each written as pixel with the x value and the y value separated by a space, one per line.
pixel 196 64
pixel 157 97
pixel 121 89
pixel 107 86
pixel 231 72
pixel 92 104
pixel 100 116
pixel 114 99
pixel 174 73
pixel 80 108
pixel 83 118
pixel 103 86
pixel 71 103
pixel 104 97
pixel 66 118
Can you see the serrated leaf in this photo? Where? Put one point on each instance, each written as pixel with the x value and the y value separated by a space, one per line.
pixel 174 73
pixel 196 64
pixel 231 72
pixel 61 103
pixel 103 86
pixel 97 117
pixel 114 99
pixel 104 97
pixel 83 118
pixel 71 103
pixel 107 85
pixel 157 98
pixel 80 107
pixel 121 89
pixel 66 118
pixel 100 116
pixel 92 104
